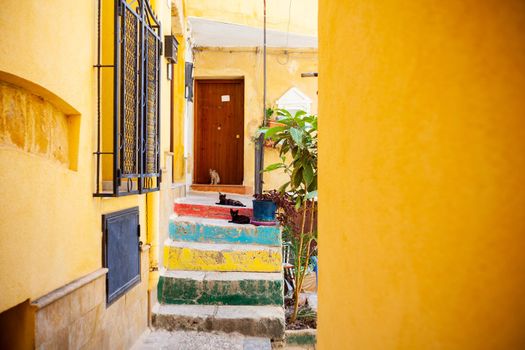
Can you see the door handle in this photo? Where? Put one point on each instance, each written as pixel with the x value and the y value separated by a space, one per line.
pixel 237 136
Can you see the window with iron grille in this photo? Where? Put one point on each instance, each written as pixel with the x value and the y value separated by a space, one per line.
pixel 128 161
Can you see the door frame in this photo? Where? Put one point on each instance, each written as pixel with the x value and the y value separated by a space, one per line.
pixel 212 80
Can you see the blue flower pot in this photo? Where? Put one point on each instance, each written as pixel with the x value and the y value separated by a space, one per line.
pixel 264 210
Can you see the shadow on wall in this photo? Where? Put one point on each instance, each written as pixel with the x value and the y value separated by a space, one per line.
pixel 17 327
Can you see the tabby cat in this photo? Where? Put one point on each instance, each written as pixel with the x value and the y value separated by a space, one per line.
pixel 214 176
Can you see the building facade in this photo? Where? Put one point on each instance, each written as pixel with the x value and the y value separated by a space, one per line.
pixel 59 205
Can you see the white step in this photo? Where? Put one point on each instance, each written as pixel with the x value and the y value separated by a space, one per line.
pixel 222 247
pixel 211 198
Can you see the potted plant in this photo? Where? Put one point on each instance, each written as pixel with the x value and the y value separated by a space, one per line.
pixel 297 137
pixel 272 114
pixel 272 121
pixel 264 209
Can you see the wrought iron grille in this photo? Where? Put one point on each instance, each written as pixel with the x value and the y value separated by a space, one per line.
pixel 151 124
pixel 136 107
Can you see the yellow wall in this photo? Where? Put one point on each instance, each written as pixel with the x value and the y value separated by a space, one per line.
pixel 422 216
pixel 284 71
pixel 179 103
pixel 300 18
pixel 50 224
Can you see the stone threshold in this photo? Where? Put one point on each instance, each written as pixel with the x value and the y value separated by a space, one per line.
pixel 238 189
pixel 68 288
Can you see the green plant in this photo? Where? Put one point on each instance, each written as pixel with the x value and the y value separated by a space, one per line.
pixel 297 137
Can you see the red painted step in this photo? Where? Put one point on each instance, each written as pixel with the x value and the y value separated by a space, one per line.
pixel 209 211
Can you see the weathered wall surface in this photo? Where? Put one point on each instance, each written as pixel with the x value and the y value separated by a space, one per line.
pixel 30 123
pixel 284 71
pixel 422 214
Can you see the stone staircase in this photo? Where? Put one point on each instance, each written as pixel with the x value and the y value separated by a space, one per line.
pixel 219 276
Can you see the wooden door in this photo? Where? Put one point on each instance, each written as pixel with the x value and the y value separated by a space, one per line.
pixel 219 130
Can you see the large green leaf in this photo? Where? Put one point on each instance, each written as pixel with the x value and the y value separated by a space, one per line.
pixel 284 186
pixel 272 131
pixel 313 186
pixel 294 152
pixel 308 173
pixel 297 136
pixel 283 113
pixel 284 149
pixel 309 118
pixel 274 166
pixel 297 176
pixel 298 203
pixel 299 114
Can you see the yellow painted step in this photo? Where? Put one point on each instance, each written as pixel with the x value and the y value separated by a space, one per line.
pixel 221 257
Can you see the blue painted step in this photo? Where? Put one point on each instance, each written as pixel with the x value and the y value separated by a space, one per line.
pixel 194 229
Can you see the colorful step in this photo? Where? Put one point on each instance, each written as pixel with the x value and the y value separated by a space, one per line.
pixel 191 229
pixel 194 256
pixel 220 288
pixel 211 211
pixel 258 321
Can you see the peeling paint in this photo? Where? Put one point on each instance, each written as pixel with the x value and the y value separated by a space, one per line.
pixel 182 258
pixel 219 292
pixel 242 234
pixel 32 124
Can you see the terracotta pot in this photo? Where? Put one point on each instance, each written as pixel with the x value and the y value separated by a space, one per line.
pixel 274 123
pixel 269 143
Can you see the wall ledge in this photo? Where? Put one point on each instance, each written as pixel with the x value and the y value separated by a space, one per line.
pixel 68 288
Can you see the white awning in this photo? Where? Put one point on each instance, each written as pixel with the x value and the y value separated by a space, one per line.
pixel 209 33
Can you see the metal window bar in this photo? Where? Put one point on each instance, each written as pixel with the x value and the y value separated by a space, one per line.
pixel 136 100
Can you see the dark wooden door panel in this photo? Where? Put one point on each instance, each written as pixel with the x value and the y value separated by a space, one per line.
pixel 219 130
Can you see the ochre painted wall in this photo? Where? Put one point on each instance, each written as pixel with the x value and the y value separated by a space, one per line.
pixel 422 198
pixel 50 224
pixel 283 71
pixel 300 18
pixel 179 104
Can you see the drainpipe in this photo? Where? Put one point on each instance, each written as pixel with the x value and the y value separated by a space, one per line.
pixel 152 223
pixel 259 145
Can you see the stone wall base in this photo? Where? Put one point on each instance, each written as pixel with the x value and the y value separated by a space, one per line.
pixel 76 316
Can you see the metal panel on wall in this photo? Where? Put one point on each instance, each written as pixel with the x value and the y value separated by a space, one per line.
pixel 121 251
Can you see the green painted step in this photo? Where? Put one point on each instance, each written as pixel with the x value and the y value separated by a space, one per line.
pixel 220 288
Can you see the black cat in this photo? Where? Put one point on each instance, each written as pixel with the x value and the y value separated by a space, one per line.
pixel 227 201
pixel 238 219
